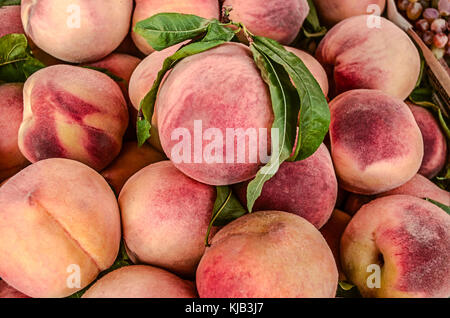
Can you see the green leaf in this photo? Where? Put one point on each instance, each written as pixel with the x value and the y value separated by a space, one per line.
pixel 107 72
pixel 147 105
pixel 4 3
pixel 345 285
pixel 444 207
pixel 227 208
pixel 312 25
pixel 285 104
pixel 143 127
pixel 167 29
pixel 17 63
pixel 314 120
pixel 218 32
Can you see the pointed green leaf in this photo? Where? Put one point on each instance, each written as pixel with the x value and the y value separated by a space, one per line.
pixel 285 104
pixel 167 29
pixel 444 207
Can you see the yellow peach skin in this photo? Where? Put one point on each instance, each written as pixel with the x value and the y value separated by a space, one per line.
pixel 57 217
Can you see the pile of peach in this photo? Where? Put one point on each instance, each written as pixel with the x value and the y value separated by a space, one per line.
pixel 75 183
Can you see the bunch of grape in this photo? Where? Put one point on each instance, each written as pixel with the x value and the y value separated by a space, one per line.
pixel 431 21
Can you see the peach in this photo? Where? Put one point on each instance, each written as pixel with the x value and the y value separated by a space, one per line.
pixel 435 144
pixel 307 188
pixel 408 238
pixel 131 159
pixel 165 217
pixel 11 108
pixel 77 31
pixel 7 291
pixel 357 54
pixel 59 228
pixel 240 105
pixel 332 232
pixel 11 22
pixel 208 9
pixel 267 254
pixel 140 281
pixel 278 20
pixel 75 113
pixel 375 141
pixel 141 82
pixel 332 12
pixel 313 66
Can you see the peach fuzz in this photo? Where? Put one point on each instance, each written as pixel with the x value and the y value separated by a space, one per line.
pixel 72 211
pixel 165 217
pixel 375 141
pixel 11 109
pixel 409 238
pixel 241 101
pixel 7 291
pixel 332 232
pixel 131 159
pixel 419 187
pixel 435 144
pixel 314 67
pixel 75 113
pixel 11 22
pixel 267 254
pixel 358 56
pixel 278 20
pixel 208 9
pixel 77 31
pixel 332 12
pixel 141 281
pixel 307 188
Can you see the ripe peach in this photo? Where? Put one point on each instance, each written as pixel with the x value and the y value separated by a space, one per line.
pixel 140 281
pixel 208 9
pixel 11 108
pixel 357 54
pixel 408 238
pixel 278 20
pixel 59 221
pixel 267 254
pixel 7 291
pixel 11 22
pixel 165 217
pixel 435 144
pixel 375 141
pixel 332 12
pixel 240 105
pixel 77 31
pixel 72 112
pixel 307 188
pixel 131 159
pixel 332 232
pixel 313 66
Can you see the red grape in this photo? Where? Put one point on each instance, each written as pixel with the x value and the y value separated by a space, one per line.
pixel 414 10
pixel 431 14
pixel 402 4
pixel 439 25
pixel 440 40
pixel 422 25
pixel 427 37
